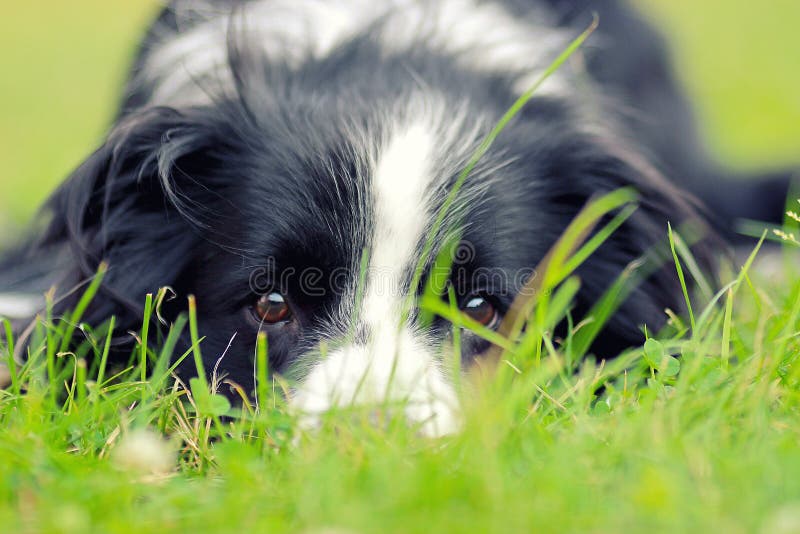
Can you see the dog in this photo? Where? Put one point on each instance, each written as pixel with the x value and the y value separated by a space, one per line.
pixel 284 162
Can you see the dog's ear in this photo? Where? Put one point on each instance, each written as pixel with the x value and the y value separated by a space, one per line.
pixel 588 165
pixel 643 240
pixel 140 203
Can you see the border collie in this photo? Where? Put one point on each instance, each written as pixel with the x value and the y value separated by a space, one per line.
pixel 283 161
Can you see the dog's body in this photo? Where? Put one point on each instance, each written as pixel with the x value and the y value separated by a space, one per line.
pixel 266 141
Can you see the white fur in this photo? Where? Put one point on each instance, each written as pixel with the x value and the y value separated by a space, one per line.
pixel 393 365
pixel 482 36
pixel 18 306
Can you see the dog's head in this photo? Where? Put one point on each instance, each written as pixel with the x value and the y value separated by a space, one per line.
pixel 298 202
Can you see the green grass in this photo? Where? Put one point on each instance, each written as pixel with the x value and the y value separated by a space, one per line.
pixel 696 431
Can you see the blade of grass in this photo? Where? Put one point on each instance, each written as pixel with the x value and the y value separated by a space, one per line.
pixel 598 239
pixel 726 330
pixel 691 264
pixel 557 310
pixel 94 396
pixel 262 371
pixel 604 308
pixel 456 364
pixel 148 309
pixel 484 147
pixel 80 382
pixel 681 278
pixel 195 337
pixel 101 371
pixel 160 371
pixel 83 304
pixel 12 364
pixel 551 267
pixel 437 306
pixel 438 278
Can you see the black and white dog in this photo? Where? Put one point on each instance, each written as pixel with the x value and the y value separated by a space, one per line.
pixel 266 148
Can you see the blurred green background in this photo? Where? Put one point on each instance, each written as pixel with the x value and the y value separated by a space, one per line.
pixel 62 65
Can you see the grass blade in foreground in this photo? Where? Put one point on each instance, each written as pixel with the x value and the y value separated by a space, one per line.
pixel 512 112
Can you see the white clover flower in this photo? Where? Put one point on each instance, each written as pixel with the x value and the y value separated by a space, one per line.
pixel 784 520
pixel 144 452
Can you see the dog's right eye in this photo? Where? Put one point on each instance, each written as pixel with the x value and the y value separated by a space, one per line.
pixel 481 309
pixel 272 308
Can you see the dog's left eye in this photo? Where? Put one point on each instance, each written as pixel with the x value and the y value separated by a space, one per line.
pixel 481 310
pixel 272 308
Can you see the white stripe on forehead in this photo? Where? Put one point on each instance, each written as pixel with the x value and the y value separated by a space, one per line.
pixel 401 177
pixel 483 36
pixel 395 362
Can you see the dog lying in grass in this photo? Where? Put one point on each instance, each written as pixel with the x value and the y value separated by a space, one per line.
pixel 287 163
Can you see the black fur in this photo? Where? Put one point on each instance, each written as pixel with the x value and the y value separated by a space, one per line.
pixel 199 198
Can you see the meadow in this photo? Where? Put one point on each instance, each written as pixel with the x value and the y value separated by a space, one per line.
pixel 695 431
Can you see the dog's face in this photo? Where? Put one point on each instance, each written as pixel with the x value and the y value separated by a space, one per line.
pixel 322 229
pixel 307 220
pixel 298 201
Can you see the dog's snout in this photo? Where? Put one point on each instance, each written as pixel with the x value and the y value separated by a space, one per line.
pixel 391 371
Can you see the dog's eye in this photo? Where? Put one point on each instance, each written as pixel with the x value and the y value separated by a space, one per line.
pixel 272 308
pixel 481 310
